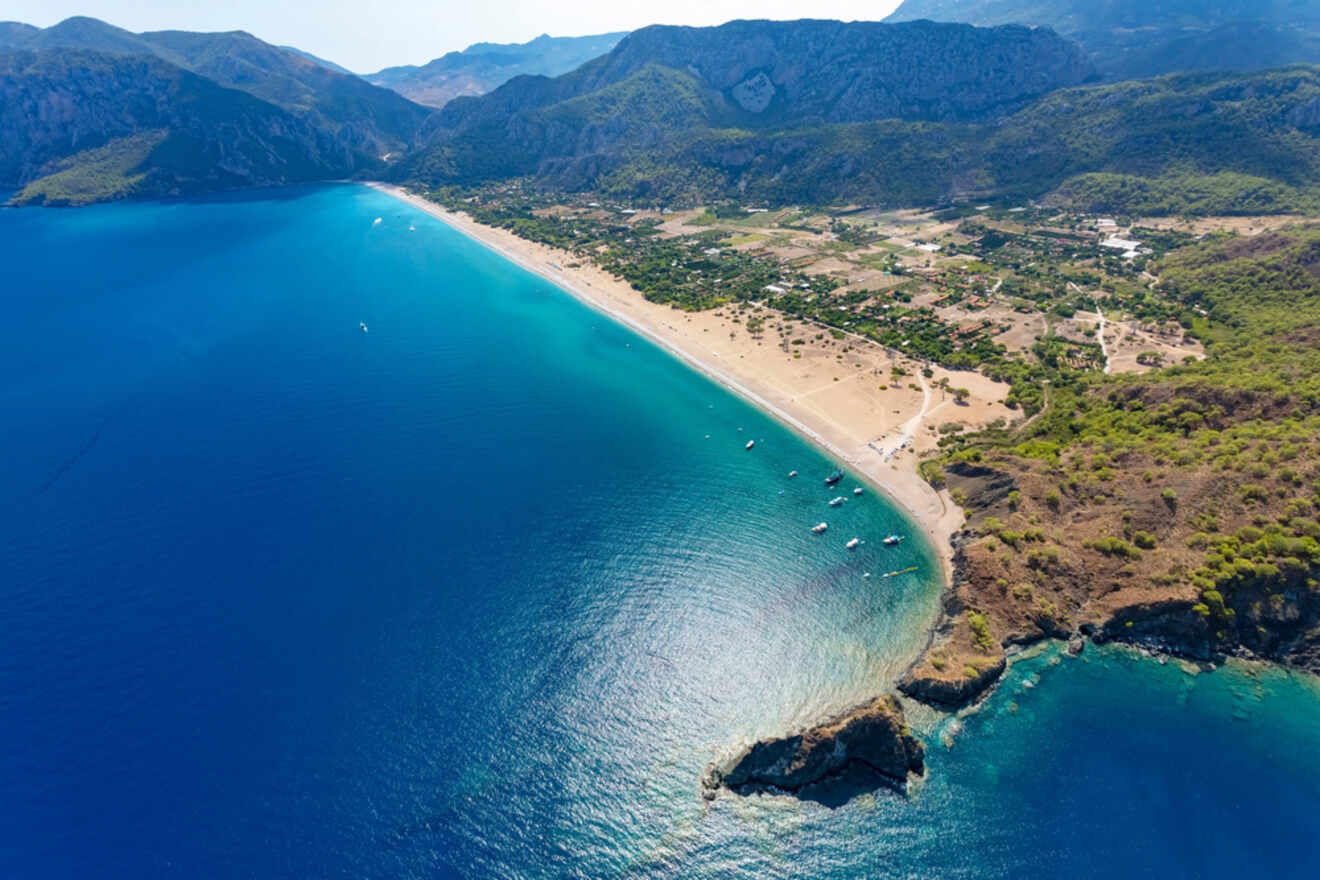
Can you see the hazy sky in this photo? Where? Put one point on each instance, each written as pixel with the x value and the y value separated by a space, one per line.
pixel 365 36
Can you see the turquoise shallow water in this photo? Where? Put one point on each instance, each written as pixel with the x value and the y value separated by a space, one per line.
pixel 481 591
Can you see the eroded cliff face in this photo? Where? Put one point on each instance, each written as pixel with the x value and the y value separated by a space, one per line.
pixel 868 747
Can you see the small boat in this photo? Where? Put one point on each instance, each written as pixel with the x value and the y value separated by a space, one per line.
pixel 837 502
pixel 363 326
pixel 892 540
pixel 792 474
pixel 908 570
pixel 857 491
pixel 854 544
pixel 833 478
pixel 819 530
pixel 750 444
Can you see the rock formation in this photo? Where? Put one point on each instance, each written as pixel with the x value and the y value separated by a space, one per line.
pixel 867 747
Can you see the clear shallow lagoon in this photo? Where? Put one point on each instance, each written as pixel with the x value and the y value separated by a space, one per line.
pixel 480 592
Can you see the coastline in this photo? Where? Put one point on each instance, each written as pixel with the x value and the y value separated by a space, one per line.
pixel 890 469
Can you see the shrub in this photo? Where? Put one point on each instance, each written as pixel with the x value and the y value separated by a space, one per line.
pixel 980 624
pixel 1116 547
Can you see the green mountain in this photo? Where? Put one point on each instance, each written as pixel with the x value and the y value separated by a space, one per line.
pixel 78 126
pixel 483 67
pixel 363 118
pixel 790 113
pixel 664 90
pixel 1127 39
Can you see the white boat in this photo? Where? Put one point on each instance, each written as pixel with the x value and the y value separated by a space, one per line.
pixel 363 326
pixel 837 502
pixel 892 540
pixel 854 543
pixel 857 491
pixel 819 530
pixel 750 444
pixel 792 474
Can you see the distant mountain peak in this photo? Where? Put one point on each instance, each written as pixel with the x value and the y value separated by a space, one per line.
pixel 483 67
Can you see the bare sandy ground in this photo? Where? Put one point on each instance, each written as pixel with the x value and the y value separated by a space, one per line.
pixel 841 394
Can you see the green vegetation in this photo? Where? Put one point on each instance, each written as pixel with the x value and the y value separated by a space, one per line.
pixel 1239 432
pixel 147 127
pixel 1185 194
pixel 980 626
pixel 704 270
pixel 1183 144
pixel 102 174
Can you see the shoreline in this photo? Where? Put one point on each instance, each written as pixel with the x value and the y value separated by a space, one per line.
pixel 897 478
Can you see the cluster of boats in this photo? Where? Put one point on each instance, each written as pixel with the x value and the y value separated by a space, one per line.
pixel 838 501
pixel 820 528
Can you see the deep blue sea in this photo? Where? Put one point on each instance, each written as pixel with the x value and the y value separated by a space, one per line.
pixel 481 591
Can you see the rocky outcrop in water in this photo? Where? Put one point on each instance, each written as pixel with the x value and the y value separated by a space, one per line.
pixel 866 748
pixel 952 692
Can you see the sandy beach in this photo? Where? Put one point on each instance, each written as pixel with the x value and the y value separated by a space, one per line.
pixel 840 394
